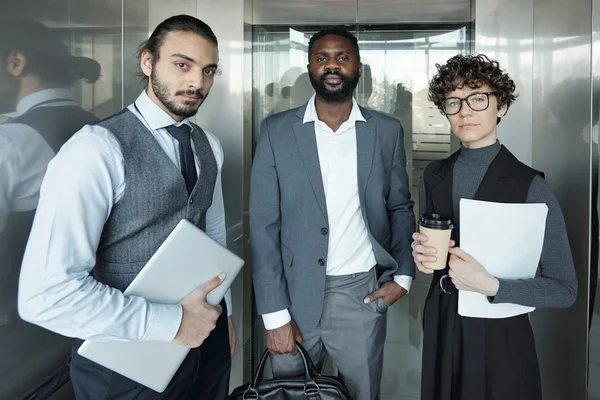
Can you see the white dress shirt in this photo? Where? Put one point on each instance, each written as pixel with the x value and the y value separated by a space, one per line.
pixel 82 184
pixel 24 155
pixel 350 250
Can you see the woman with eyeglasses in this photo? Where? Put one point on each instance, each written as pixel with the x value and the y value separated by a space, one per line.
pixel 479 358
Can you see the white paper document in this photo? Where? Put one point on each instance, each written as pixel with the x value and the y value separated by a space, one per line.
pixel 505 238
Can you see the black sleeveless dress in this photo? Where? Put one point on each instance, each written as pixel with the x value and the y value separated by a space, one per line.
pixel 475 358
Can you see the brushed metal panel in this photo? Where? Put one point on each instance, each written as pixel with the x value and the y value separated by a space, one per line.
pixel 159 10
pixel 136 29
pixel 247 327
pixel 32 358
pixel 594 309
pixel 91 14
pixel 222 111
pixel 562 149
pixel 223 114
pixel 100 39
pixel 504 31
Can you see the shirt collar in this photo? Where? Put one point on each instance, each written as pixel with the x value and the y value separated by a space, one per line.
pixel 310 115
pixel 155 116
pixel 33 99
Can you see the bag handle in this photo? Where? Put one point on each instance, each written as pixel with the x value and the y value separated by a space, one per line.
pixel 311 388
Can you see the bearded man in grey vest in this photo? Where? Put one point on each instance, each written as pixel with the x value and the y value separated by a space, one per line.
pixel 109 199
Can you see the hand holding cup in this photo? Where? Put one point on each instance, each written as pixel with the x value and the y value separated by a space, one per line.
pixel 431 243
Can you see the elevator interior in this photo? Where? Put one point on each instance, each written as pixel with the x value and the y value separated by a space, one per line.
pixel 550 47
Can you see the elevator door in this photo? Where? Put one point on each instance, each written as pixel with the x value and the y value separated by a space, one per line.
pixel 398 63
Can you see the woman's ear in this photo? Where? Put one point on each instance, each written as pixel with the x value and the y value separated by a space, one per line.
pixel 502 111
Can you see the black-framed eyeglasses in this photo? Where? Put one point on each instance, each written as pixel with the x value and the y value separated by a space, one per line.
pixel 479 101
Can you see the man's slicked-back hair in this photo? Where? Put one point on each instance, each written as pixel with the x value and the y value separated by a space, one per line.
pixel 176 23
pixel 337 31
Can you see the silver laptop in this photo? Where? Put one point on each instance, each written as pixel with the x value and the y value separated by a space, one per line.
pixel 187 259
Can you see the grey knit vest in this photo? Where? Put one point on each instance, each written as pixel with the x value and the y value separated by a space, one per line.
pixel 154 201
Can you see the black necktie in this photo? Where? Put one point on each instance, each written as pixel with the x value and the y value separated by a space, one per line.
pixel 186 155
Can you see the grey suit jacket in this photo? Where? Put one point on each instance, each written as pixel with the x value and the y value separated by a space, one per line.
pixel 288 213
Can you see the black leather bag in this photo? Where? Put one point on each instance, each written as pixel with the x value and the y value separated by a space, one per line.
pixel 311 385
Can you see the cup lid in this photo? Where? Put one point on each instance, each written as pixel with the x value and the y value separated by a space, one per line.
pixel 436 221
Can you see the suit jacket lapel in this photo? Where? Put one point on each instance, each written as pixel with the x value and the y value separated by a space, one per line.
pixel 366 137
pixel 307 143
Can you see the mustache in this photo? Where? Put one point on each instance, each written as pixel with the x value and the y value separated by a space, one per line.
pixel 330 73
pixel 195 93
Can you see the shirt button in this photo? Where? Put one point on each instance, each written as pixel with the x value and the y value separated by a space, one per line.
pixel 191 201
pixel 324 231
pixel 321 262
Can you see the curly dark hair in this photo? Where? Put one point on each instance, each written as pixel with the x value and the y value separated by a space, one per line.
pixel 473 71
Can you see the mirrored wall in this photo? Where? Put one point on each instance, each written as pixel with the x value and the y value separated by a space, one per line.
pixel 104 36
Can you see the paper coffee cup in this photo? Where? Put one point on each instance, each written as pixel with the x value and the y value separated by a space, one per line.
pixel 438 229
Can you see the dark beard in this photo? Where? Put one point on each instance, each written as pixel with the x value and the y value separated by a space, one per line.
pixel 344 89
pixel 9 93
pixel 162 93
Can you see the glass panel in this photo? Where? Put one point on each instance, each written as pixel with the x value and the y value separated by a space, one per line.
pixel 402 62
pixel 398 63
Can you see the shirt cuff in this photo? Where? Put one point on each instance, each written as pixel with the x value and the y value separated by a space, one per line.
pixel 404 280
pixel 228 302
pixel 165 320
pixel 276 319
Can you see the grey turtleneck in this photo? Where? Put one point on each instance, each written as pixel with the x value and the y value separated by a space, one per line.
pixel 555 284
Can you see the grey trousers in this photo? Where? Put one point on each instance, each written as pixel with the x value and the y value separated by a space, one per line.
pixel 351 332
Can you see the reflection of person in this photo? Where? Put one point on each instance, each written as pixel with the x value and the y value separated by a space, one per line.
pixel 301 92
pixel 576 122
pixel 477 358
pixel 38 71
pixel 330 222
pixel 38 116
pixel 109 199
pixel 284 90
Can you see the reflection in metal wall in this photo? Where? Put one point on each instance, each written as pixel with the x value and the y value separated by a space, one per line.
pixel 545 45
pixel 504 31
pixel 136 28
pixel 561 148
pixel 43 104
pixel 594 301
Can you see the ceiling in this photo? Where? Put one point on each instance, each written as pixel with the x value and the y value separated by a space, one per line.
pixel 107 13
pixel 317 12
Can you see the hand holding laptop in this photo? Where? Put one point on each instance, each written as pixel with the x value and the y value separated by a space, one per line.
pixel 191 269
pixel 199 317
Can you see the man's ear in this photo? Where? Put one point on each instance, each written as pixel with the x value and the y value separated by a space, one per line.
pixel 146 62
pixel 15 63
